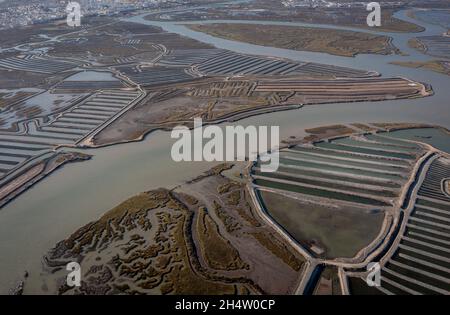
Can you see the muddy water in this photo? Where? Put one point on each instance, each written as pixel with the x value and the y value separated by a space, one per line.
pixel 80 193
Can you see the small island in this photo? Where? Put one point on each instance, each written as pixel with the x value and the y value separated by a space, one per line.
pixel 331 41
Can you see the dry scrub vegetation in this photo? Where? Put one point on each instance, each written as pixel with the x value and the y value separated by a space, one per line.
pixel 335 42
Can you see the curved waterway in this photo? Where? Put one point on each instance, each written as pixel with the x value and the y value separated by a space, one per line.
pixel 79 193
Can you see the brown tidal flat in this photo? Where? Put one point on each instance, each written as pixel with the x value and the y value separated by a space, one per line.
pixel 439 66
pixel 218 100
pixel 335 42
pixel 6 99
pixel 201 238
pixel 437 46
pixel 23 79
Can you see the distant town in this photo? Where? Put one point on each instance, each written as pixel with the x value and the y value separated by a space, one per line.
pixel 27 12
pixel 21 13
